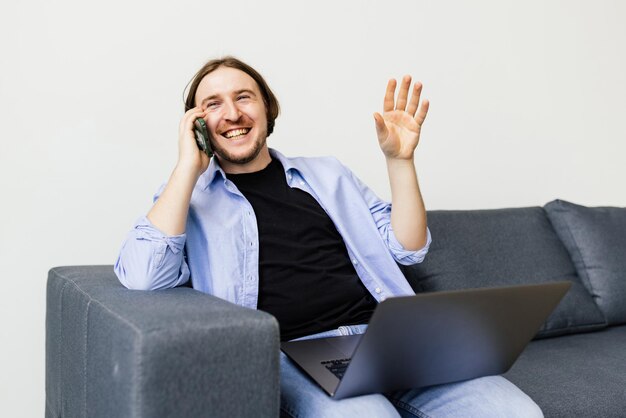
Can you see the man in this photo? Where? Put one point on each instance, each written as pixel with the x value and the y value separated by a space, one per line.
pixel 301 238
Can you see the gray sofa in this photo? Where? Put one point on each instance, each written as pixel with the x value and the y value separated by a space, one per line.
pixel 113 352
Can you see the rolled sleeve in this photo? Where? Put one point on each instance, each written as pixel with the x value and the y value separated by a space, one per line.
pixel 402 255
pixel 150 259
pixel 381 214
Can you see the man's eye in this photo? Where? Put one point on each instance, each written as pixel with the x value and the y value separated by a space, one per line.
pixel 243 96
pixel 211 104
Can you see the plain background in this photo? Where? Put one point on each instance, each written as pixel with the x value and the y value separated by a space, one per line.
pixel 527 105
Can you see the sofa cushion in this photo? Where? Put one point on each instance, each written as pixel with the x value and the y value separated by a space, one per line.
pixel 487 248
pixel 575 375
pixel 596 241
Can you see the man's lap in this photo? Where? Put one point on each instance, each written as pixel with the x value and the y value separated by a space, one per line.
pixel 301 397
pixel 488 396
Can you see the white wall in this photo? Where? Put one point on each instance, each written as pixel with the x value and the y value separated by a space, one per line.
pixel 527 105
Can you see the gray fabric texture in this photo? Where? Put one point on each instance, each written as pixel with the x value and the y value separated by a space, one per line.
pixel 486 248
pixel 580 375
pixel 596 241
pixel 114 352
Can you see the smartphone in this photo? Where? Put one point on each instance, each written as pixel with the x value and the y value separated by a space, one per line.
pixel 202 136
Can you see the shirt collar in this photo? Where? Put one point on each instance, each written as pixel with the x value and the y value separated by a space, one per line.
pixel 287 163
pixel 215 170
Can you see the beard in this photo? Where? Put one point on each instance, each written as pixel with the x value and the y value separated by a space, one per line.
pixel 225 155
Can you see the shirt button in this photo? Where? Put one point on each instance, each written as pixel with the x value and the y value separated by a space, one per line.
pixel 301 183
pixel 378 290
pixel 355 262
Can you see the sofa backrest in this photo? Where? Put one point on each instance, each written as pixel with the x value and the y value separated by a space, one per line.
pixel 487 248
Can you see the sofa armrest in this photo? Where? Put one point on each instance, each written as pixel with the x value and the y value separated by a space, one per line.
pixel 114 352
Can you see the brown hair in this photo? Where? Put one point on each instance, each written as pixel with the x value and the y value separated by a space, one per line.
pixel 272 109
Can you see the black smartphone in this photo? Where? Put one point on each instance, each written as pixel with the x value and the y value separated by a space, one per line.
pixel 202 136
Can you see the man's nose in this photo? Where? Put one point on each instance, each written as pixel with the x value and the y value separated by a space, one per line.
pixel 231 111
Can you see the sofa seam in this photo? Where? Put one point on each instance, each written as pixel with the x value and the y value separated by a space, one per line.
pixel 129 323
pixel 86 336
pixel 59 353
pixel 137 331
pixel 92 299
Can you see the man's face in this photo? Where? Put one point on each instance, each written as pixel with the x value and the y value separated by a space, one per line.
pixel 236 119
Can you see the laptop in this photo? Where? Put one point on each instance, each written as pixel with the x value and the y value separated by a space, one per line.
pixel 430 339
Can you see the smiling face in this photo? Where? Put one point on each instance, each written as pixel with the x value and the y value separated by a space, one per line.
pixel 236 119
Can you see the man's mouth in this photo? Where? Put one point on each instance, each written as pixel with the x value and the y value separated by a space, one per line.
pixel 236 133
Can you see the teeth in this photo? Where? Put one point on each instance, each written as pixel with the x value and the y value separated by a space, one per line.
pixel 236 132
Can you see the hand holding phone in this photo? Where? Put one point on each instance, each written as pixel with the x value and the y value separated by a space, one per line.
pixel 202 136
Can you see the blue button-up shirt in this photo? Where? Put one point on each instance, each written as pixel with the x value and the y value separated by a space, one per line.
pixel 219 250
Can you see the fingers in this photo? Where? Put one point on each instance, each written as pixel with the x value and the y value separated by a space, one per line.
pixel 389 94
pixel 415 98
pixel 186 123
pixel 404 92
pixel 401 102
pixel 186 135
pixel 193 114
pixel 421 115
pixel 381 128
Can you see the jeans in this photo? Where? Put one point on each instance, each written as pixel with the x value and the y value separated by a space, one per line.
pixel 491 396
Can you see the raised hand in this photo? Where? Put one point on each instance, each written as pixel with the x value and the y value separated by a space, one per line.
pixel 399 127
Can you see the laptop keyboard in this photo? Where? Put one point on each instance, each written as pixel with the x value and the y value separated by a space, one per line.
pixel 337 367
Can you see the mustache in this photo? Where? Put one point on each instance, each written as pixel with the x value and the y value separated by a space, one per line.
pixel 242 121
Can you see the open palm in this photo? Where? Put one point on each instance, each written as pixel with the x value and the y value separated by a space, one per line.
pixel 399 127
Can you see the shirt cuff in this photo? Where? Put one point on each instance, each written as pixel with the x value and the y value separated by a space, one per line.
pixel 404 256
pixel 145 230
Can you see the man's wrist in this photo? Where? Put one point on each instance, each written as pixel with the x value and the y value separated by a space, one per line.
pixel 187 171
pixel 400 162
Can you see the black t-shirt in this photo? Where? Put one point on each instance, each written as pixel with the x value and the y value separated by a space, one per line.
pixel 306 279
